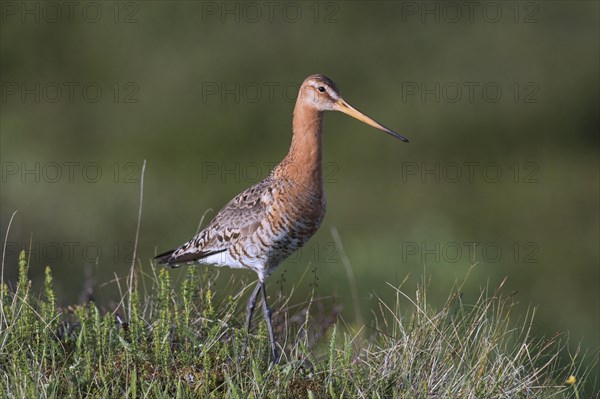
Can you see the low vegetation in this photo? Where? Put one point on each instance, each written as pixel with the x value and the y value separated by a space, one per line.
pixel 173 341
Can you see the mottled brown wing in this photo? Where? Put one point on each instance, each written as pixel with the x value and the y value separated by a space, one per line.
pixel 236 220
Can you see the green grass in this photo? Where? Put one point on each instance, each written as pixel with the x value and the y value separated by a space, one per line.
pixel 167 341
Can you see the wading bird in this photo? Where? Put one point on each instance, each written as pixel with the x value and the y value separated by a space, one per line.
pixel 266 223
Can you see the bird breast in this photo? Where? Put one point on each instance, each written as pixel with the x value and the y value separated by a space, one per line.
pixel 294 215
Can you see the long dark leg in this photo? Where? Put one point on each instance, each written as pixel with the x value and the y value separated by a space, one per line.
pixel 252 305
pixel 250 310
pixel 267 312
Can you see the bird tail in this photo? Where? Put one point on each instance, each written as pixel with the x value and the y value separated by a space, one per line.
pixel 168 259
pixel 165 258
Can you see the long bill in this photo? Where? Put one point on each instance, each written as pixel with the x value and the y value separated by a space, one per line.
pixel 342 106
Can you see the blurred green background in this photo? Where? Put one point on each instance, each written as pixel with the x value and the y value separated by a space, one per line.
pixel 499 100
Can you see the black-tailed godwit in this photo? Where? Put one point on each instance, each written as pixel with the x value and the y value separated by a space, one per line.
pixel 266 223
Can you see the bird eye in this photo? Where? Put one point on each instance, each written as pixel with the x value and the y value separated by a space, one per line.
pixel 321 89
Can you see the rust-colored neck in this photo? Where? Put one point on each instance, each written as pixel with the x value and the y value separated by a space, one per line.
pixel 303 162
